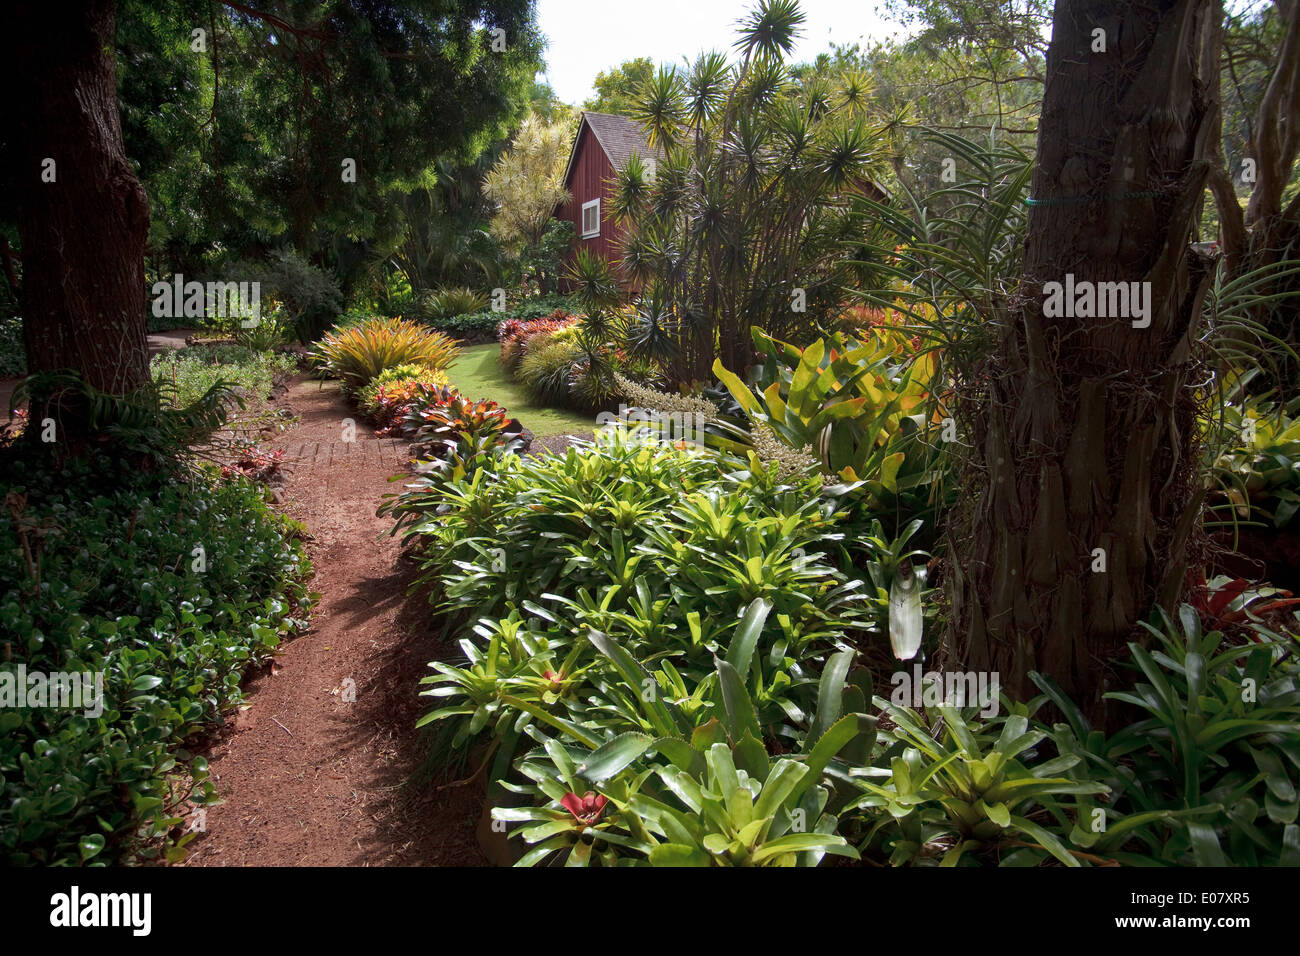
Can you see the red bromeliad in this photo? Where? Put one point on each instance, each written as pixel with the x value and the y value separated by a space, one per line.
pixel 587 808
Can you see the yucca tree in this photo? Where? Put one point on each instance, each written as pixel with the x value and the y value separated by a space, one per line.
pixel 596 292
pixel 745 217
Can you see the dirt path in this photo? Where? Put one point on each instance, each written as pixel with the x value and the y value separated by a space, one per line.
pixel 306 777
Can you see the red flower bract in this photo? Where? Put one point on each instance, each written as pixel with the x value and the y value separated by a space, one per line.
pixel 585 809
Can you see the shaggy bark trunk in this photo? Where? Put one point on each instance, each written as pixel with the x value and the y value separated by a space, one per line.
pixel 1087 437
pixel 84 220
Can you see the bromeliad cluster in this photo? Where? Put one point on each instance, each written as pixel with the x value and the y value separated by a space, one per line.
pixel 516 334
pixel 670 658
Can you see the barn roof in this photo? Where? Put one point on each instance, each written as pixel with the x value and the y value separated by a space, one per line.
pixel 618 136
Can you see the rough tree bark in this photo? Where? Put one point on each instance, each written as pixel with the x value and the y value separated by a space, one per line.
pixel 1087 437
pixel 83 233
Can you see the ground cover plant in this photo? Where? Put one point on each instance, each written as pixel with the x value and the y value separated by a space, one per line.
pixel 169 588
pixel 191 372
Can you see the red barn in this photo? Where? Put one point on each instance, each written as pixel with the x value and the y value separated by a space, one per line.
pixel 604 144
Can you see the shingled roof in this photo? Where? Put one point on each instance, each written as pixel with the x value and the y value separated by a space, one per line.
pixel 618 136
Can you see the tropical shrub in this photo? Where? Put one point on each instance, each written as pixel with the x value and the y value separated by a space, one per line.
pixel 515 335
pixel 273 329
pixel 956 787
pixel 549 369
pixel 542 552
pixel 109 582
pixel 746 218
pixel 1258 467
pixel 311 295
pixel 384 399
pixel 358 354
pixel 655 635
pixel 481 326
pixel 443 304
pixel 444 420
pixel 148 429
pixel 701 802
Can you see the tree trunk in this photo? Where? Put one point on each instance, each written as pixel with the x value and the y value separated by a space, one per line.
pixel 1086 432
pixel 83 216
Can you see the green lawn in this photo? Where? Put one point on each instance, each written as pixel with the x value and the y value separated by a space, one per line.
pixel 477 374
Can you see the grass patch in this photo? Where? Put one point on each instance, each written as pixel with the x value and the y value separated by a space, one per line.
pixel 477 374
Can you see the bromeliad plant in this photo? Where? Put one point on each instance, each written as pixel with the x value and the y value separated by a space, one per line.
pixel 703 796
pixel 1258 469
pixel 385 400
pixel 861 410
pixel 360 353
pixel 954 791
pixel 443 418
pixel 1211 774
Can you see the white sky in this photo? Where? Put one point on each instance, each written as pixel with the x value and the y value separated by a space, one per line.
pixel 588 36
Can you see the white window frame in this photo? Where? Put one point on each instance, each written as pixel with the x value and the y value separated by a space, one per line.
pixel 584 234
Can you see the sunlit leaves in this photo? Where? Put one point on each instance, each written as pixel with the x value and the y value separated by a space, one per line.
pixel 771 28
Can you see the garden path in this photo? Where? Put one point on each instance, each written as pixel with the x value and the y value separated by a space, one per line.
pixel 307 777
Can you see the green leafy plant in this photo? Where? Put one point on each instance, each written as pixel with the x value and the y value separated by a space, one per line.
pixel 272 330
pixel 1209 775
pixel 189 373
pixel 441 417
pixel 549 369
pixel 953 789
pixel 446 303
pixel 841 397
pixel 360 353
pixel 102 581
pixel 386 397
pixel 703 800
pixel 1258 467
pixel 749 201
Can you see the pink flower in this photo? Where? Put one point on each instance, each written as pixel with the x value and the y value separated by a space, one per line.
pixel 585 809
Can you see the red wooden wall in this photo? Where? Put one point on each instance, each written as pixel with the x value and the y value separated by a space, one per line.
pixel 591 169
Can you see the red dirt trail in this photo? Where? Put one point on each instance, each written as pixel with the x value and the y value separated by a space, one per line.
pixel 308 779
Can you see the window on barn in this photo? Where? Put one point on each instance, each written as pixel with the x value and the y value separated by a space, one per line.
pixel 591 219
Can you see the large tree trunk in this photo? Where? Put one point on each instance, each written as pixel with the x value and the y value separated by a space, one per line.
pixel 1086 437
pixel 83 233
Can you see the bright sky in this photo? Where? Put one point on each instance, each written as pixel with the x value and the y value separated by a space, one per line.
pixel 588 36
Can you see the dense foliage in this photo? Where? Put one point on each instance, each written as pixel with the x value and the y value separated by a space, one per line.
pixel 652 632
pixel 170 589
